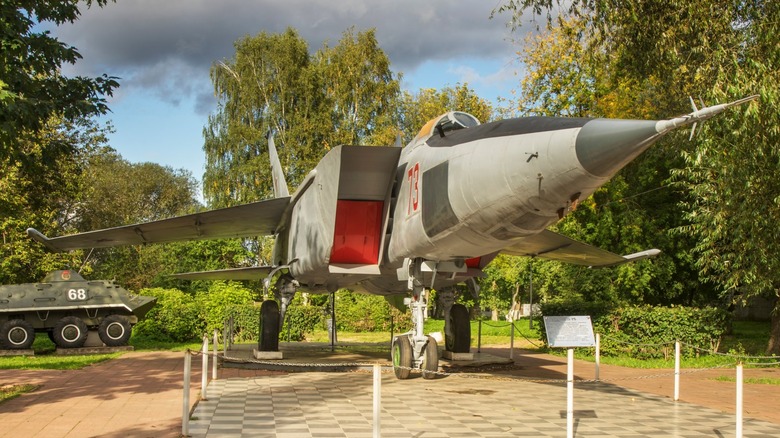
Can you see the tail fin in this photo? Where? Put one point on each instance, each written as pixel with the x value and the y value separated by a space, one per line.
pixel 280 185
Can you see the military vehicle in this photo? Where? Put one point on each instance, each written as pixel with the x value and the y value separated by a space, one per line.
pixel 68 307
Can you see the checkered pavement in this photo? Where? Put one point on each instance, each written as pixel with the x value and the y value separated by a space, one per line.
pixel 321 404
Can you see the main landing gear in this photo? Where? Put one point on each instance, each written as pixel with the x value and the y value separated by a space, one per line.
pixel 271 315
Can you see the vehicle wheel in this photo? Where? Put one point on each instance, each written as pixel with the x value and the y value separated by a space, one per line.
pixel 430 363
pixel 460 327
pixel 17 334
pixel 114 330
pixel 269 326
pixel 402 357
pixel 70 332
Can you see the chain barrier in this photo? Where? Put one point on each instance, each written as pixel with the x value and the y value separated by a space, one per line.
pixel 453 374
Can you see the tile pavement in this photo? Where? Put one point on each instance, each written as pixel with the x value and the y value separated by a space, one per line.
pixel 317 404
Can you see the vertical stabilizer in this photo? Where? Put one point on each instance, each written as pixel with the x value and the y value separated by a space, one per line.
pixel 280 185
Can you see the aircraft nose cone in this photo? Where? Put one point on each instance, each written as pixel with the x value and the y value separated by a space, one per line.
pixel 604 146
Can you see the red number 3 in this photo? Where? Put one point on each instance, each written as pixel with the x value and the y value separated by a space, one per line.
pixel 413 175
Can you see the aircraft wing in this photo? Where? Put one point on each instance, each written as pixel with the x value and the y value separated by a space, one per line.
pixel 250 273
pixel 257 218
pixel 553 246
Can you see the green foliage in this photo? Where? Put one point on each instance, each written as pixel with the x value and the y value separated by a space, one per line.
pixel 301 320
pixel 727 180
pixel 416 109
pixel 344 94
pixel 175 317
pixel 13 391
pixel 217 303
pixel 646 331
pixel 365 313
pixel 33 89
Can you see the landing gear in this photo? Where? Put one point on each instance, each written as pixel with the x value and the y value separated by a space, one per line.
pixel 415 348
pixel 269 326
pixel 430 362
pixel 458 337
pixel 272 314
pixel 402 357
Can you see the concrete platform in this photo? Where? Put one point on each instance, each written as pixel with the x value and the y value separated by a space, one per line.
pixel 92 350
pixel 26 352
pixel 319 356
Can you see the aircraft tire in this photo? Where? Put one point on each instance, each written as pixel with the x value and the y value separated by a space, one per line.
pixel 114 330
pixel 402 357
pixel 460 341
pixel 430 363
pixel 269 326
pixel 70 332
pixel 17 334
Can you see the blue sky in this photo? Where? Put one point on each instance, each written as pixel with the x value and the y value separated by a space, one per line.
pixel 162 52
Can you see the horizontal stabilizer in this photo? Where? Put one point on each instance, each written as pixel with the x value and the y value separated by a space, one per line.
pixel 255 219
pixel 553 246
pixel 235 274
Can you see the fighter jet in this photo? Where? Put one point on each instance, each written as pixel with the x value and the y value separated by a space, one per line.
pixel 433 214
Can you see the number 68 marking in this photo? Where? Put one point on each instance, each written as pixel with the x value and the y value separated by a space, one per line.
pixel 77 294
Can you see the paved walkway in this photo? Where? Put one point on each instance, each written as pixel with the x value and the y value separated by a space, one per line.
pixel 140 395
pixel 136 395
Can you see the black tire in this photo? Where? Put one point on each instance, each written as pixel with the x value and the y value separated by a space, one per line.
pixel 70 332
pixel 460 326
pixel 269 326
pixel 17 334
pixel 114 330
pixel 402 357
pixel 430 363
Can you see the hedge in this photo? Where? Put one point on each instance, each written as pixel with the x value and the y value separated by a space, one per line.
pixel 647 331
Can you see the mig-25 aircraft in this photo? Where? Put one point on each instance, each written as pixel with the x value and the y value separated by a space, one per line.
pixel 389 220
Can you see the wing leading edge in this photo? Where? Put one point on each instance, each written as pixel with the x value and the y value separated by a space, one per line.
pixel 553 246
pixel 255 219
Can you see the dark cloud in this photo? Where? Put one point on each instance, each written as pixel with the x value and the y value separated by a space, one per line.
pixel 168 46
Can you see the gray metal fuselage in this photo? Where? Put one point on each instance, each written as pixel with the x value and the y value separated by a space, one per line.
pixel 468 194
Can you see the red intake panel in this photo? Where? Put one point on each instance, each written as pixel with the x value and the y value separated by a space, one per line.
pixel 473 262
pixel 358 232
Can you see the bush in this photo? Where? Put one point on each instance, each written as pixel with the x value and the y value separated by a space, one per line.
pixel 175 317
pixel 301 320
pixel 223 300
pixel 367 313
pixel 645 331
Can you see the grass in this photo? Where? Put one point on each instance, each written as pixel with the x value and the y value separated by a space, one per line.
pixel 13 391
pixel 752 380
pixel 747 338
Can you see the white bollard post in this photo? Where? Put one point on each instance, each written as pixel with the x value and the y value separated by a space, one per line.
pixel 512 338
pixel 570 394
pixel 214 364
pixel 598 354
pixel 185 412
pixel 738 432
pixel 377 400
pixel 676 370
pixel 204 369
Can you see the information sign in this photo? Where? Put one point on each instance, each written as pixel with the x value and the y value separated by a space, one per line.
pixel 569 331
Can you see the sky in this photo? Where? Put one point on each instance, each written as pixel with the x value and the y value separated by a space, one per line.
pixel 162 52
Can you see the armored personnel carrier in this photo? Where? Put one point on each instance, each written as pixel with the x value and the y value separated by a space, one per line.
pixel 68 307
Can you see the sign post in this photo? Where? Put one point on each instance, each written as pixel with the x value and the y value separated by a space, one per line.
pixel 569 332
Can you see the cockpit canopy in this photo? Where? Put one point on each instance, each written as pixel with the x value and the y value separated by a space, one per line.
pixel 445 123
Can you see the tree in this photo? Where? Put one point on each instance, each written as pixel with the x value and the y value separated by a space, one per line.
pixel 417 109
pixel 32 89
pixel 42 192
pixel 344 94
pixel 361 91
pixel 717 50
